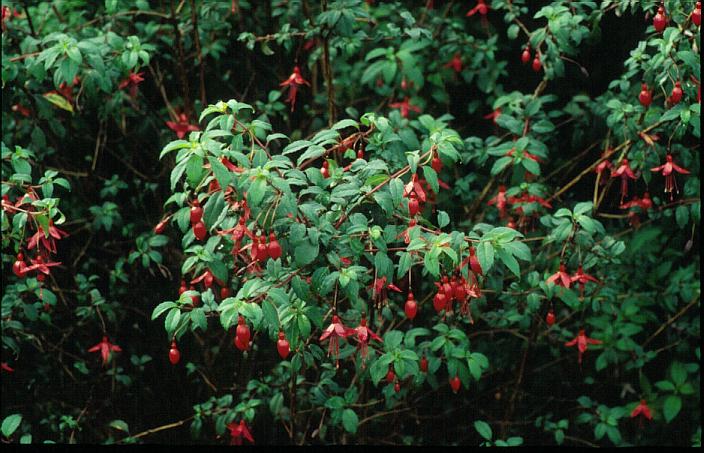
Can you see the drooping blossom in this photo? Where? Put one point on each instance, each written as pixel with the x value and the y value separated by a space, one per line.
pixel 455 63
pixel 644 203
pixel 624 172
pixel 500 201
pixel 380 288
pixel 493 116
pixel 668 169
pixel 582 341
pixel 480 8
pixel 581 278
pixel 364 336
pixel 38 264
pixel 47 241
pixel 206 277
pixel 239 431
pixel 642 409
pixel 132 81
pixel 294 81
pixel 561 277
pixel 105 347
pixel 405 106
pixel 6 368
pixel 334 332
pixel 182 126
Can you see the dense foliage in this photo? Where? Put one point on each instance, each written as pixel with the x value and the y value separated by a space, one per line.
pixel 344 221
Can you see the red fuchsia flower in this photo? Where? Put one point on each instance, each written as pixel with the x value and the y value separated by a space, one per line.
pixel 645 97
pixel 605 164
pixel 582 278
pixel 364 336
pixel 582 340
pixel 335 331
pixel 455 63
pixel 414 187
pixel 5 15
pixel 667 171
pixel 405 106
pixel 644 203
pixel 105 347
pixel 22 110
pixel 4 366
pixel 238 431
pixel 407 232
pixel 525 154
pixel 660 20
pixel 294 81
pixel 480 8
pixel 230 166
pixel 380 289
pixel 132 81
pixel 500 201
pixel 624 172
pixel 676 95
pixel 561 277
pixel 697 14
pixel 206 277
pixel 182 126
pixel 642 409
pixel 47 242
pixel 38 264
pixel 493 116
pixel 473 262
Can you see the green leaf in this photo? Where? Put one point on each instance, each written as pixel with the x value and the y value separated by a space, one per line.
pixel 120 425
pixel 483 429
pixel 59 101
pixel 161 308
pixel 10 424
pixel 306 253
pixel 670 409
pixel 350 420
pixel 485 254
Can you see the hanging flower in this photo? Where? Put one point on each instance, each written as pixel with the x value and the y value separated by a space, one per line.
pixel 380 289
pixel 238 431
pixel 581 278
pixel 582 341
pixel 364 335
pixel 48 241
pixel 561 277
pixel 132 82
pixel 667 171
pixel 624 172
pixel 335 331
pixel 405 106
pixel 455 63
pixel 642 409
pixel 182 126
pixel 480 8
pixel 38 264
pixel 500 201
pixel 105 347
pixel 493 116
pixel 294 81
pixel 6 368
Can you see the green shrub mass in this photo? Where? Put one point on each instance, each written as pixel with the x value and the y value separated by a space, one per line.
pixel 351 222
